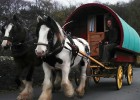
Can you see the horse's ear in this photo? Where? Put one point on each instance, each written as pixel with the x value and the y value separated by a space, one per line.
pixel 15 18
pixel 49 19
pixel 3 29
pixel 52 23
pixel 39 19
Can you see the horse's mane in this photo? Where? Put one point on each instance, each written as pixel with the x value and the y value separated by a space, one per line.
pixel 60 30
pixel 52 24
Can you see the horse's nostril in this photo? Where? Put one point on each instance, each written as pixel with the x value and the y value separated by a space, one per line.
pixel 39 53
pixel 42 52
pixel 36 51
pixel 9 43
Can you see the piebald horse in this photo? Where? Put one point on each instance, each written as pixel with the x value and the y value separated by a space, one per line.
pixel 16 37
pixel 58 52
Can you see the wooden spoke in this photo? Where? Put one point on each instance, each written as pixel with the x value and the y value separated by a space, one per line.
pixel 119 77
pixel 129 74
pixel 96 78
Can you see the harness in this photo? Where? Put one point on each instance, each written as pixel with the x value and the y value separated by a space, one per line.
pixel 8 38
pixel 19 48
pixel 74 48
pixel 56 48
pixel 53 49
pixel 86 48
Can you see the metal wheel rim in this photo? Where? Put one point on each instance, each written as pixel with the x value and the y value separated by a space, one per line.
pixel 119 77
pixel 129 74
pixel 96 79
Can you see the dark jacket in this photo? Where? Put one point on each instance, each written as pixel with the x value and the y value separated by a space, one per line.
pixel 111 36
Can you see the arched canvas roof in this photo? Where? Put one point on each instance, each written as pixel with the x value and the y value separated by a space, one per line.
pixel 129 38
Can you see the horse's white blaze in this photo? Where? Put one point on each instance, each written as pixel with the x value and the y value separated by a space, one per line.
pixel 7 31
pixel 42 39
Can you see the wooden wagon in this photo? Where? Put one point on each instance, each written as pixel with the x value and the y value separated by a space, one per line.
pixel 89 22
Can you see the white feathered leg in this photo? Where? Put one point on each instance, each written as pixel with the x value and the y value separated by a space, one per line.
pixel 66 84
pixel 26 93
pixel 47 85
pixel 57 82
pixel 81 88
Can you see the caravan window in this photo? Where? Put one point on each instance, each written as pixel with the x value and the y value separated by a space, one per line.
pixel 92 24
pixel 100 23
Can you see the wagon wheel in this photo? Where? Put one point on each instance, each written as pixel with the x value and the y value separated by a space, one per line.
pixel 96 78
pixel 88 73
pixel 129 74
pixel 119 77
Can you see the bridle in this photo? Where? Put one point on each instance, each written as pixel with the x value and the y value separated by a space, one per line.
pixel 8 38
pixel 15 43
pixel 52 48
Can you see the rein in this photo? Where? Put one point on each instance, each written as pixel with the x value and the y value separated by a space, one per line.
pixel 56 48
pixel 7 38
pixel 19 49
pixel 41 44
pixel 18 43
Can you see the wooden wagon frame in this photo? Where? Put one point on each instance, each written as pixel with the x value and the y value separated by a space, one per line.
pixel 89 22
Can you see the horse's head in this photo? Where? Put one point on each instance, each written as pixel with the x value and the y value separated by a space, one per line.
pixel 11 32
pixel 48 32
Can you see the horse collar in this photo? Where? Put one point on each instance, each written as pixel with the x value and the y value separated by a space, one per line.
pixel 51 58
pixel 57 48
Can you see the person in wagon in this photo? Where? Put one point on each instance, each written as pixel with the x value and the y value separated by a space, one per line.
pixel 110 41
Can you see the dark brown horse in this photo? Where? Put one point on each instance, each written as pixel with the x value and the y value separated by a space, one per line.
pixel 16 37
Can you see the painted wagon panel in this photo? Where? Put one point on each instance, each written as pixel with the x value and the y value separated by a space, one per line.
pixel 129 38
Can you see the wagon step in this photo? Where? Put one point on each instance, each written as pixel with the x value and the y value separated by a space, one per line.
pixel 94 60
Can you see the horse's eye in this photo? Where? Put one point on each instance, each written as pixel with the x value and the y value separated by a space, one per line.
pixel 37 32
pixel 49 35
pixel 0 33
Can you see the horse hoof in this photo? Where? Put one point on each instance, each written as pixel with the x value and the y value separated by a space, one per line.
pixel 68 90
pixel 24 97
pixel 69 94
pixel 80 94
pixel 45 96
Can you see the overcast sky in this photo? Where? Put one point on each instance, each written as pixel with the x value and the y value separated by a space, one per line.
pixel 74 2
pixel 90 1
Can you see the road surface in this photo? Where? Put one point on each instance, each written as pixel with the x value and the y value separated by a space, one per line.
pixel 105 90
